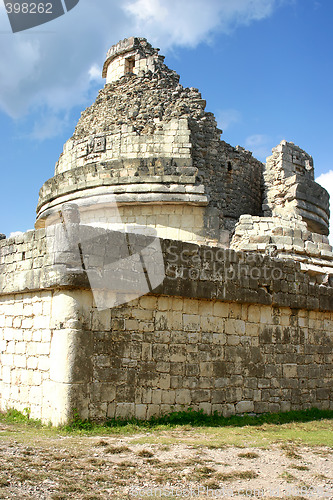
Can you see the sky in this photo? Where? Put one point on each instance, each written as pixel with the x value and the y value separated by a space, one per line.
pixel 265 68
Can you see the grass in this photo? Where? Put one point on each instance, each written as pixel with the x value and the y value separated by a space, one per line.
pixel 312 427
pixel 288 477
pixel 116 450
pixel 204 472
pixel 292 454
pixel 248 454
pixel 317 433
pixel 94 463
pixel 232 476
pixel 188 418
pixel 145 454
pixel 12 416
pixel 3 482
pixel 299 467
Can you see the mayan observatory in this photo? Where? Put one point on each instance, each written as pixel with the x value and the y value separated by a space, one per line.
pixel 168 269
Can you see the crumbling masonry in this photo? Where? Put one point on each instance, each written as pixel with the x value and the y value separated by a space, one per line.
pixel 242 318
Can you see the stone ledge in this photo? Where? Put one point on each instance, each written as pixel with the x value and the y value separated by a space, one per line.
pixel 170 171
pixel 192 270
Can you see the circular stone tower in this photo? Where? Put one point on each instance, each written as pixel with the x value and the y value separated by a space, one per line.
pixel 147 153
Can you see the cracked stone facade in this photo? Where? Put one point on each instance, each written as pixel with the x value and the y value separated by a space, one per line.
pixel 243 319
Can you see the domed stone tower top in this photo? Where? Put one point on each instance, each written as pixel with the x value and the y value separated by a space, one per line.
pixel 131 56
pixel 149 144
pixel 147 153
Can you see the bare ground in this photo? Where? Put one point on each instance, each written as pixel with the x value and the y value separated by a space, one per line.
pixel 207 463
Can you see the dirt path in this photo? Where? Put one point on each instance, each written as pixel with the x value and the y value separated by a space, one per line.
pixel 172 464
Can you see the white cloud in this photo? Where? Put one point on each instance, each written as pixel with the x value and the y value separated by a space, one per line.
pixel 55 65
pixel 260 145
pixel 326 180
pixel 95 72
pixel 15 233
pixel 180 22
pixel 227 117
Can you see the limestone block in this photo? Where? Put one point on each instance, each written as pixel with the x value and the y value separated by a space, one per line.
pixel 43 348
pixel 20 361
pixel 35 395
pixel 290 370
pixel 312 248
pixel 183 397
pixel 141 411
pixel 36 378
pixel 43 363
pixel 153 410
pixel 6 374
pixel 56 403
pixel 254 315
pixel 221 309
pixel 206 407
pixel 11 347
pixel 32 363
pixel 191 322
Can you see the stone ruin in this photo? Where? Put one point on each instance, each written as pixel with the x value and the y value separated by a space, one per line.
pixel 168 269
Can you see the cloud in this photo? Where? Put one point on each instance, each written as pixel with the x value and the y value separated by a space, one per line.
pixel 326 180
pixel 227 117
pixel 260 145
pixel 56 65
pixel 180 22
pixel 15 233
pixel 95 72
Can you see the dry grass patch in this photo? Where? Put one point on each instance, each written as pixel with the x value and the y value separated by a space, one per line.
pixel 211 484
pixel 145 454
pixel 288 477
pixel 234 475
pixel 117 450
pixel 202 472
pixel 153 461
pixel 216 446
pixel 299 467
pixel 102 442
pixel 291 451
pixel 125 464
pixel 248 454
pixel 289 498
pixel 4 482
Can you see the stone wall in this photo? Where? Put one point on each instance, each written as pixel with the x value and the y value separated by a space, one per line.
pixel 174 221
pixel 227 331
pixel 128 182
pixel 287 238
pixel 160 140
pixel 241 184
pixel 25 347
pixel 43 354
pixel 159 354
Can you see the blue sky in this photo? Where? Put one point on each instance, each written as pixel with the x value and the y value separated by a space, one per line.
pixel 265 68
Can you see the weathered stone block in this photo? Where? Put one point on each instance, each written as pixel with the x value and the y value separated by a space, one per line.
pixel 245 407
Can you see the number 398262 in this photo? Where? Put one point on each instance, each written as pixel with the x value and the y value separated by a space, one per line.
pixel 29 8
